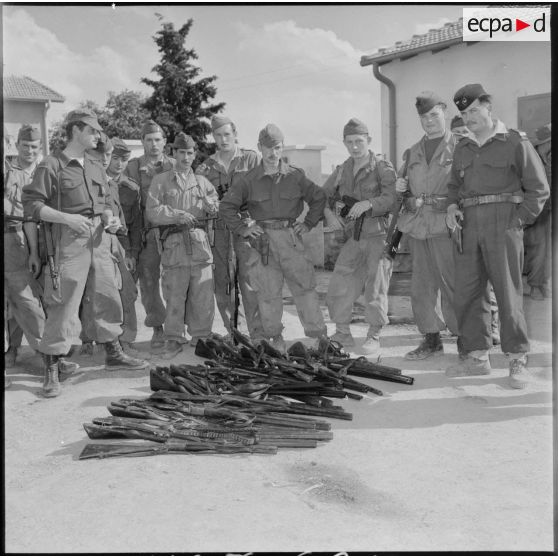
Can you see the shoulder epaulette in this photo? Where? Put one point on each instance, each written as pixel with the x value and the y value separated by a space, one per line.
pixel 248 151
pixel 520 133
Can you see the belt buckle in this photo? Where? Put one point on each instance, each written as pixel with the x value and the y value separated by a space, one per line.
pixel 419 202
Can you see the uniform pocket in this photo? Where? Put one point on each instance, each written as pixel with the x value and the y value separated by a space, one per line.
pixel 201 250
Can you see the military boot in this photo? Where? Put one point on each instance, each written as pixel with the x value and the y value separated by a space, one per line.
pixel 87 348
pixel 10 357
pixel 431 345
pixel 519 375
pixel 469 366
pixel 343 336
pixel 66 368
pixel 158 339
pixel 171 349
pixel 117 359
pixel 51 384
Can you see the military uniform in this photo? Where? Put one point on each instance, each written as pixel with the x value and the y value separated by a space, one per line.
pixel 360 266
pixel 212 169
pixel 149 261
pixel 186 256
pixel 500 186
pixel 21 290
pixel 424 220
pixel 275 201
pixel 84 260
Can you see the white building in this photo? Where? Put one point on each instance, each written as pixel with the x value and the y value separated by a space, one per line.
pixel 516 74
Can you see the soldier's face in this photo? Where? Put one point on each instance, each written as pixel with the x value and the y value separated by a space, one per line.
pixel 271 155
pixel 88 137
pixel 117 165
pixel 357 145
pixel 28 151
pixel 225 138
pixel 477 117
pixel 105 159
pixel 433 122
pixel 154 144
pixel 184 158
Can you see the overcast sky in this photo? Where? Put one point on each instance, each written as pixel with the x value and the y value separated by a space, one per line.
pixel 296 66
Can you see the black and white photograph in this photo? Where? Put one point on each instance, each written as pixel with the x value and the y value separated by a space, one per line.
pixel 278 279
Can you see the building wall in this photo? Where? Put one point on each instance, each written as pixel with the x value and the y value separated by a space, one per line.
pixel 506 70
pixel 17 113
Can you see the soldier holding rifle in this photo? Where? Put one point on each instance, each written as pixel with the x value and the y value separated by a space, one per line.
pixel 220 169
pixel 497 186
pixel 70 191
pixel 428 165
pixel 367 182
pixel 273 193
pixel 177 199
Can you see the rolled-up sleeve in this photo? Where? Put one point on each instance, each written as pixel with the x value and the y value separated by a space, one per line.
pixel 384 202
pixel 39 191
pixel 316 199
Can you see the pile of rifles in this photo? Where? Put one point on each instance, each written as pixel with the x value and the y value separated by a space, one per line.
pixel 242 399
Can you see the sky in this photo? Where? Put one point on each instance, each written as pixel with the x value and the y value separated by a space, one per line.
pixel 294 65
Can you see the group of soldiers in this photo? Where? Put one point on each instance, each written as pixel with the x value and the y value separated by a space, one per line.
pixel 463 197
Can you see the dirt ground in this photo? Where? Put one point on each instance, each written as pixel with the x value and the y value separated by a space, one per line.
pixel 443 465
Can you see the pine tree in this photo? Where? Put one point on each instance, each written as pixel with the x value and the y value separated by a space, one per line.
pixel 180 98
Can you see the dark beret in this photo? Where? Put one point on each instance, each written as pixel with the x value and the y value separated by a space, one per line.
pixel 183 141
pixel 427 100
pixel 468 94
pixel 29 132
pixel 270 136
pixel 355 127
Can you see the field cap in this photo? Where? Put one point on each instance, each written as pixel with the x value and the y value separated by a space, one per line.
pixel 84 115
pixel 120 147
pixel 427 100
pixel 544 133
pixel 355 126
pixel 29 132
pixel 270 136
pixel 183 141
pixel 150 127
pixel 217 121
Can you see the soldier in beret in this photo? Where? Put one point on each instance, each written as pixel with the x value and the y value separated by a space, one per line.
pixel 423 180
pixel 361 267
pixel 142 170
pixel 273 193
pixel 497 186
pixel 179 197
pixel 538 237
pixel 458 127
pixel 70 191
pixel 220 169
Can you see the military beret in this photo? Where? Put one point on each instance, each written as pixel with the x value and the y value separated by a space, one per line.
pixel 150 127
pixel 355 127
pixel 270 136
pixel 217 121
pixel 427 100
pixel 456 122
pixel 183 141
pixel 120 147
pixel 84 115
pixel 104 145
pixel 29 132
pixel 544 133
pixel 468 94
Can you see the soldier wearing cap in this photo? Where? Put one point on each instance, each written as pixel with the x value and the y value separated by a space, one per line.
pixel 458 127
pixel 273 193
pixel 70 191
pixel 220 169
pixel 423 180
pixel 183 200
pixel 110 153
pixel 497 186
pixel 538 237
pixel 142 170
pixel 361 267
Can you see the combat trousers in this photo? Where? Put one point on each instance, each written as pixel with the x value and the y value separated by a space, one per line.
pixel 222 279
pixel 491 252
pixel 288 260
pixel 433 284
pixel 189 295
pixel 360 268
pixel 538 251
pixel 126 284
pixel 149 272
pixel 86 267
pixel 23 294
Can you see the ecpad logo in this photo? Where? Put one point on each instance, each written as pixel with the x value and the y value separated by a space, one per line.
pixel 506 24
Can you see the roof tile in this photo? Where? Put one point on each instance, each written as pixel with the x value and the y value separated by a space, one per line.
pixel 27 89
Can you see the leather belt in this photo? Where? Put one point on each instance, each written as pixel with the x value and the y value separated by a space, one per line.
pixel 415 202
pixel 276 223
pixel 491 198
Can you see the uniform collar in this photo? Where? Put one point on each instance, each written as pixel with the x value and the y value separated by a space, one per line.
pixel 283 169
pixel 30 169
pixel 144 163
pixel 184 180
pixel 369 166
pixel 237 153
pixel 499 132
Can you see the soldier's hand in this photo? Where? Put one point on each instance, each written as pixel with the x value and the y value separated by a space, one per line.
pixel 301 228
pixel 186 219
pixel 453 217
pixel 34 265
pixel 77 223
pixel 401 185
pixel 253 231
pixel 112 225
pixel 130 263
pixel 358 209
